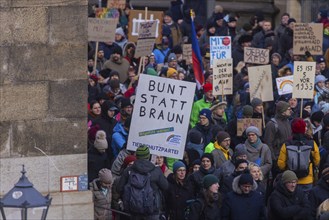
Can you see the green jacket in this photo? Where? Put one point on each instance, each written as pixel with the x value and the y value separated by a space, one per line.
pixel 197 107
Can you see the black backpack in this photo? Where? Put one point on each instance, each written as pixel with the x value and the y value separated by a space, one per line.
pixel 189 206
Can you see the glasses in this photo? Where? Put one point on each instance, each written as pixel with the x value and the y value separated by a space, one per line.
pixel 181 170
pixel 203 118
pixel 292 182
pixel 226 140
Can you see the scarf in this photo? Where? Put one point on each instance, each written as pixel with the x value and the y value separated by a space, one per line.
pixel 226 152
pixel 256 144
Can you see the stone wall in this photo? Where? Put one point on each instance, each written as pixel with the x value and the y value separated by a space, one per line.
pixel 43 95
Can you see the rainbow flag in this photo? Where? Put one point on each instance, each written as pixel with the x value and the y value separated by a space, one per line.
pixel 196 56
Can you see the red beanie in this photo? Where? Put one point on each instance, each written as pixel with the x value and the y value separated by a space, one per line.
pixel 128 160
pixel 207 87
pixel 298 126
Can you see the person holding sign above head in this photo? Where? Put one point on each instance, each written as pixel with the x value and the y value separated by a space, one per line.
pixel 286 40
pixel 238 51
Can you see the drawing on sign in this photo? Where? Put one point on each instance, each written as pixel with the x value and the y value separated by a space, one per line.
pixel 146 38
pixel 304 73
pixel 222 77
pixel 307 37
pixel 244 123
pixel 256 55
pixel 284 85
pixel 220 48
pixel 260 79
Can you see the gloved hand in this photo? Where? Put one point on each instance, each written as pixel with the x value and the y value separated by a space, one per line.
pixel 120 203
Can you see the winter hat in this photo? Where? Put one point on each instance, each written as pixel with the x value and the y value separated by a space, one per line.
pixel 100 140
pixel 247 27
pixel 177 49
pixel 281 107
pixel 195 137
pixel 105 73
pixel 206 112
pixel 238 162
pixel 325 174
pixel 291 20
pixel 170 72
pixel 92 132
pixel 309 103
pixel 94 77
pixel 317 116
pixel 324 108
pixel 210 24
pixel 256 102
pixel 209 180
pixel 222 135
pixel 325 120
pixel 276 55
pixel 231 19
pixel 114 84
pixel 151 71
pixel 247 111
pixel 125 102
pixel 323 13
pixel 207 87
pixel 117 50
pixel 120 31
pixel 245 38
pixel 320 78
pixel 128 160
pixel 143 152
pixel 114 73
pixel 298 126
pixel 320 59
pixel 178 164
pixel 288 176
pixel 246 178
pixel 216 104
pixel 253 129
pixel 105 176
pixel 172 57
pixel 209 156
pixel 196 162
pixel 240 150
pixel 219 16
pixel 168 13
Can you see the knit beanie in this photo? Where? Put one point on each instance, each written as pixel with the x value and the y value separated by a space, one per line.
pixel 196 162
pixel 298 126
pixel 247 111
pixel 100 140
pixel 92 132
pixel 288 176
pixel 246 178
pixel 206 112
pixel 281 107
pixel 325 174
pixel 240 150
pixel 238 162
pixel 256 102
pixel 178 164
pixel 253 129
pixel 217 104
pixel 143 152
pixel 105 176
pixel 222 135
pixel 170 72
pixel 319 78
pixel 317 116
pixel 209 180
pixel 195 137
pixel 209 156
pixel 120 31
pixel 172 57
pixel 151 71
pixel 117 50
pixel 207 87
pixel 128 160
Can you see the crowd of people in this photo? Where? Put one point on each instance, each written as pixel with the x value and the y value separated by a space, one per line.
pixel 279 170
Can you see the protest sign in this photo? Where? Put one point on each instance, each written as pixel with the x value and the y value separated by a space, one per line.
pixel 187 53
pixel 256 55
pixel 223 77
pixel 284 84
pixel 304 74
pixel 220 48
pixel 161 115
pixel 138 16
pixel 260 80
pixel 101 29
pixel 146 38
pixel 116 4
pixel 308 37
pixel 244 123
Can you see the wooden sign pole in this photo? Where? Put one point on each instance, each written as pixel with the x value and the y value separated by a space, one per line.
pixel 142 59
pixel 301 108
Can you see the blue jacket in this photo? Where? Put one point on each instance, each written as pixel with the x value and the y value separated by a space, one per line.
pixel 119 138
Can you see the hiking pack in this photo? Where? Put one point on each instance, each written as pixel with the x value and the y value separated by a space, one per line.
pixel 189 206
pixel 299 157
pixel 138 196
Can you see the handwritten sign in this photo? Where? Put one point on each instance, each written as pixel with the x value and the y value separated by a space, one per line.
pixel 308 37
pixel 187 53
pixel 161 115
pixel 284 84
pixel 243 124
pixel 116 4
pixel 220 48
pixel 146 38
pixel 260 80
pixel 256 55
pixel 223 77
pixel 304 74
pixel 101 29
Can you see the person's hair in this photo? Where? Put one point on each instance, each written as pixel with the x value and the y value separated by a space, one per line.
pixel 209 197
pixel 285 14
pixel 252 165
pixel 323 208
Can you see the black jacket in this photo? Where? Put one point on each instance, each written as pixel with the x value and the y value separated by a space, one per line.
pixel 318 194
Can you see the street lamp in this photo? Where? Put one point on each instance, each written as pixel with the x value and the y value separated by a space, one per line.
pixel 24 200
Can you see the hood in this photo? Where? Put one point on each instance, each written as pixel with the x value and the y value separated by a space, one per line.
pixel 119 128
pixel 143 166
pixel 236 188
pixel 128 45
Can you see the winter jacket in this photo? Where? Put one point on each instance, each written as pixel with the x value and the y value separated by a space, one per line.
pixel 285 205
pixel 197 107
pixel 237 55
pixel 121 66
pixel 96 162
pixel 227 168
pixel 208 132
pixel 318 194
pixel 240 206
pixel 219 153
pixel 102 201
pixel 119 138
pixel 160 54
pixel 117 164
pixel 201 210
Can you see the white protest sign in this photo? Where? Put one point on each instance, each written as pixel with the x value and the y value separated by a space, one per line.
pixel 260 80
pixel 256 55
pixel 102 29
pixel 146 38
pixel 161 115
pixel 308 37
pixel 284 84
pixel 223 77
pixel 220 48
pixel 304 74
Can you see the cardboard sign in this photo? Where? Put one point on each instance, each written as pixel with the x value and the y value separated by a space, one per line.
pixel 138 16
pixel 308 37
pixel 260 80
pixel 116 4
pixel 223 77
pixel 146 38
pixel 161 115
pixel 304 74
pixel 284 84
pixel 220 48
pixel 187 53
pixel 144 47
pixel 256 55
pixel 102 29
pixel 243 124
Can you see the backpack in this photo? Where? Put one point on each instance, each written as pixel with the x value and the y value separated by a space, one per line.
pixel 298 157
pixel 138 195
pixel 189 206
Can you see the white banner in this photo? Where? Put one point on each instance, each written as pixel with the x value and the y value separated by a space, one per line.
pixel 220 48
pixel 223 77
pixel 304 74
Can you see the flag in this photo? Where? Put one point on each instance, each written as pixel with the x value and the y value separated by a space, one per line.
pixel 196 56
